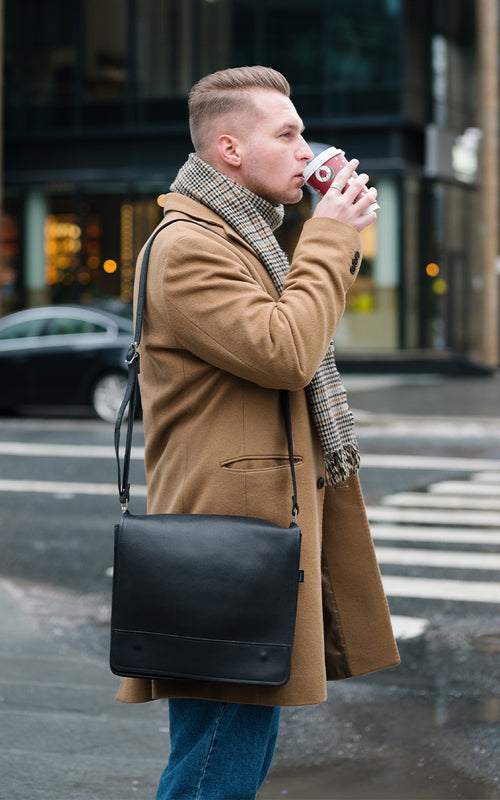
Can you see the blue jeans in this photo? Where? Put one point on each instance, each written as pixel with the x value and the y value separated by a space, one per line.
pixel 218 751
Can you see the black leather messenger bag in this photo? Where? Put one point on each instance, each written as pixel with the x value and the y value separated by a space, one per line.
pixel 200 597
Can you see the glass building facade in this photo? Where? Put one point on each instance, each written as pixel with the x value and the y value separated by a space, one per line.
pixel 96 128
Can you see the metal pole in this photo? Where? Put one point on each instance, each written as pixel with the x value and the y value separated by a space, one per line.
pixel 488 119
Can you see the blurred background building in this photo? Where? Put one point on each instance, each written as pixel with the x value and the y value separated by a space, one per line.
pixel 95 129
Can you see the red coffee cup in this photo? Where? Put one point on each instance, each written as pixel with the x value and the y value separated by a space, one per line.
pixel 320 173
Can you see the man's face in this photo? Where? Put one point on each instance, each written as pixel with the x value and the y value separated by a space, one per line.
pixel 273 151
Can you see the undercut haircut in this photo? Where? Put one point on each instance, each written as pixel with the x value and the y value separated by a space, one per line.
pixel 227 91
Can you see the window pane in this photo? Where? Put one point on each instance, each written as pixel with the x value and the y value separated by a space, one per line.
pixel 22 330
pixel 63 244
pixel 105 48
pixel 195 40
pixel 10 267
pixel 214 22
pixel 65 326
pixel 370 321
pixel 341 62
pixel 40 61
pixel 165 70
pixel 163 73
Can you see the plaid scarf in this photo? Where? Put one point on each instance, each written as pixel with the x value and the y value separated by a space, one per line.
pixel 254 219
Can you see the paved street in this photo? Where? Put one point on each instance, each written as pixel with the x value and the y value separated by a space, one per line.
pixel 428 729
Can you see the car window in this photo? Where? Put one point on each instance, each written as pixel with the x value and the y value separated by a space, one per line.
pixel 62 326
pixel 21 330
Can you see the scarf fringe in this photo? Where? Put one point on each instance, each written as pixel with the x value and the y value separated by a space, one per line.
pixel 340 465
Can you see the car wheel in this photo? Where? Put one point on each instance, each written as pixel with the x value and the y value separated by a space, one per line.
pixel 107 395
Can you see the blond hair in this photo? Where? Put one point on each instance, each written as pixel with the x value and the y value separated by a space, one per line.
pixel 227 91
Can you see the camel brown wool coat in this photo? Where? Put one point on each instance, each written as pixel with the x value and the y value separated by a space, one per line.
pixel 218 344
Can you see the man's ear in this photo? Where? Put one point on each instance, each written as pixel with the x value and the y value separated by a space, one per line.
pixel 228 148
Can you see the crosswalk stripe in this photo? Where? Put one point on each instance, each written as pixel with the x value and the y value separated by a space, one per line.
pixel 472 488
pixel 64 450
pixel 442 534
pixel 433 516
pixel 435 589
pixel 428 500
pixel 453 559
pixel 442 515
pixel 408 627
pixel 486 477
pixel 386 461
pixel 65 487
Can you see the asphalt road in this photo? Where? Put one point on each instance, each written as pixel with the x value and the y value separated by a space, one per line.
pixel 430 474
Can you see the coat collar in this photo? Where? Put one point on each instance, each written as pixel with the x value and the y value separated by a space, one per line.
pixel 180 204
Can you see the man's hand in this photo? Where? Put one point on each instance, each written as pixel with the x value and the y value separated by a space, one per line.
pixel 339 204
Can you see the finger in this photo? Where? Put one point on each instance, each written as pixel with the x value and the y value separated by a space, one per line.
pixel 367 200
pixel 343 176
pixel 364 220
pixel 356 185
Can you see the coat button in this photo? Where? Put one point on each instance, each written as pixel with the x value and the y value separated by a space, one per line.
pixel 321 483
pixel 353 269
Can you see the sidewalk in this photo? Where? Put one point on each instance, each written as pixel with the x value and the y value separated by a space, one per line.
pixel 425 395
pixel 62 736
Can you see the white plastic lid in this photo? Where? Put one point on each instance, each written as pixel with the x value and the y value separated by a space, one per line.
pixel 316 162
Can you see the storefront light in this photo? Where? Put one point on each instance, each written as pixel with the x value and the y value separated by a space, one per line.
pixel 432 270
pixel 110 266
pixel 439 286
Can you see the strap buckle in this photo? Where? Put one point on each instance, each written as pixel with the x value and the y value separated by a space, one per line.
pixel 132 353
pixel 124 497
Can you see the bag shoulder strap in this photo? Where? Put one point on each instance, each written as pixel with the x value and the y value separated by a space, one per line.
pixel 131 396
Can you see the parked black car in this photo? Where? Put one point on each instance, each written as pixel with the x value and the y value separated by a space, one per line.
pixel 64 355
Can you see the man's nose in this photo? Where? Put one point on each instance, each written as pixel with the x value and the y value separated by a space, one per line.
pixel 305 152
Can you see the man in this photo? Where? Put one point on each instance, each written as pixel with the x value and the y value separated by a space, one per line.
pixel 228 324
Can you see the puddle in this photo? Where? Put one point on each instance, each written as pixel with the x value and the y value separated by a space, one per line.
pixel 400 749
pixel 428 729
pixel 367 782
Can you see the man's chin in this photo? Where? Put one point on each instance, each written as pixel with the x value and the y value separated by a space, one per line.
pixel 299 194
pixel 290 197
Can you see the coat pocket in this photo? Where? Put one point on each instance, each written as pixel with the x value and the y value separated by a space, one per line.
pixel 261 463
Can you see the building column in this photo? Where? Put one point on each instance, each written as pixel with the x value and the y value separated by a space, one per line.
pixel 386 267
pixel 35 213
pixel 488 115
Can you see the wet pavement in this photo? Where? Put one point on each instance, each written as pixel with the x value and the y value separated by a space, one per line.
pixel 428 729
pixel 425 730
pixel 469 397
pixel 431 727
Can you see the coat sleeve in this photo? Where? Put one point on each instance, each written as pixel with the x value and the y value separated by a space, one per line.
pixel 220 312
